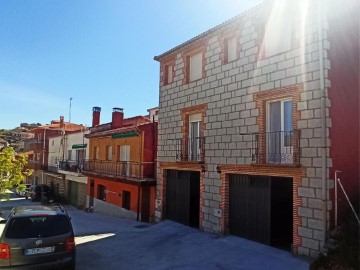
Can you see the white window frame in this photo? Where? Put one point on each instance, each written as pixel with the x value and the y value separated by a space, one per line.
pixel 194 142
pixel 124 157
pixel 108 152
pixel 283 148
pixel 195 67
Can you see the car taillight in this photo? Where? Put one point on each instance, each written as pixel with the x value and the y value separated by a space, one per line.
pixel 4 251
pixel 70 244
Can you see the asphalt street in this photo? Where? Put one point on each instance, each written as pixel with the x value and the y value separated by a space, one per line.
pixel 105 242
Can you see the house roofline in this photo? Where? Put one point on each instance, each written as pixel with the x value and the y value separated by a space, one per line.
pixel 208 32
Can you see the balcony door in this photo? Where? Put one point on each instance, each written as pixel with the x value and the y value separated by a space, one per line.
pixel 279 131
pixel 194 137
pixel 125 159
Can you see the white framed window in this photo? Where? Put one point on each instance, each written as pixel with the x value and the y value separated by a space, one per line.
pixel 195 67
pixel 38 157
pixel 39 137
pixel 194 136
pixel 231 49
pixel 279 131
pixel 124 156
pixel 96 152
pixel 109 152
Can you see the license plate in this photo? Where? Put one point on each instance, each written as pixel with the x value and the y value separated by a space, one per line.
pixel 32 251
pixel 51 201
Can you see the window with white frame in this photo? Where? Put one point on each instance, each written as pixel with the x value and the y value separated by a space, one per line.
pixel 231 49
pixel 96 153
pixel 279 130
pixel 39 137
pixel 195 67
pixel 194 136
pixel 109 152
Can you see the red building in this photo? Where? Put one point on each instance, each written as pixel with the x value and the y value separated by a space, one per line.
pixel 121 166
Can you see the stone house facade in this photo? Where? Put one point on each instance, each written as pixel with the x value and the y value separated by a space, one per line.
pixel 244 124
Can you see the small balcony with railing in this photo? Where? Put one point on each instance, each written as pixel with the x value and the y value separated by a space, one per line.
pixel 276 148
pixel 72 167
pixel 119 169
pixel 191 149
pixel 37 165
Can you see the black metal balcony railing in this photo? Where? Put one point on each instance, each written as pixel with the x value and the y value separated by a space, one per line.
pixel 36 165
pixel 71 165
pixel 190 149
pixel 282 147
pixel 119 168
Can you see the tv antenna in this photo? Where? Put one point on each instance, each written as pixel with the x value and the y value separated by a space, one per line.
pixel 70 110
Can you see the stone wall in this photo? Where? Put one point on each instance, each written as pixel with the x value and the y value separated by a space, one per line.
pixel 230 91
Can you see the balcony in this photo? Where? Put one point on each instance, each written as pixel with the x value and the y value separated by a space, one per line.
pixel 282 147
pixel 119 169
pixel 36 166
pixel 191 149
pixel 70 165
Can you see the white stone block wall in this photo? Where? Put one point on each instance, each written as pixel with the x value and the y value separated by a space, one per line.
pixel 228 90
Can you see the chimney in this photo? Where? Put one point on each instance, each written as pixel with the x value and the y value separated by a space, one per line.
pixel 96 116
pixel 61 121
pixel 117 118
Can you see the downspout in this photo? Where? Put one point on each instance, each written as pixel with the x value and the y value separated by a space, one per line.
pixel 138 203
pixel 323 121
pixel 43 158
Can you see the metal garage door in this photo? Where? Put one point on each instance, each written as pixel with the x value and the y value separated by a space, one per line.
pixel 183 197
pixel 73 192
pixel 249 207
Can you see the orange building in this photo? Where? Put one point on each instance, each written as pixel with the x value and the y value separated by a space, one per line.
pixel 121 166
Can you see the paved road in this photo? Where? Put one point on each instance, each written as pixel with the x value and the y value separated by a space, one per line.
pixel 105 242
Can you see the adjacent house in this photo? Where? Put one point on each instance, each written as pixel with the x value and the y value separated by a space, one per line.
pixel 121 166
pixel 39 148
pixel 252 124
pixel 65 162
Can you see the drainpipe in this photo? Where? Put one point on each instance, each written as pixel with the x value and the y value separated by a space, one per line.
pixel 138 204
pixel 323 121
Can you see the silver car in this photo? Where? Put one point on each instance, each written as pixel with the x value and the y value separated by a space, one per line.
pixel 37 237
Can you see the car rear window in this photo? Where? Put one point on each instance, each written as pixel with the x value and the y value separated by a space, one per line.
pixel 38 226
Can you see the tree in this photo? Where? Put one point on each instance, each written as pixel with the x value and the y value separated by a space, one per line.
pixel 13 169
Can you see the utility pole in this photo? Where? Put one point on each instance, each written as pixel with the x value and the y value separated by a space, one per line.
pixel 70 111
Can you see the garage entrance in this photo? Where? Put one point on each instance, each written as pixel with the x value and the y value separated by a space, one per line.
pixel 260 209
pixel 183 197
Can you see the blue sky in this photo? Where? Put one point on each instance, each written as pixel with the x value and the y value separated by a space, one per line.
pixel 99 53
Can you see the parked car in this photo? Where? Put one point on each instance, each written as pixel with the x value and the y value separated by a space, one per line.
pixel 41 193
pixel 23 193
pixel 37 237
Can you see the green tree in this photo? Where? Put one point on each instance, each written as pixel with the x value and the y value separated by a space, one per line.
pixel 13 169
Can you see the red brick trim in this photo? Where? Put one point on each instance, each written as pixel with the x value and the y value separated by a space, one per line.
pixel 223 38
pixel 164 77
pixel 261 98
pixel 186 59
pixel 294 172
pixel 185 112
pixel 163 71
